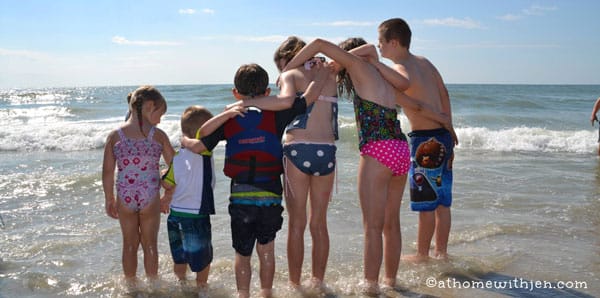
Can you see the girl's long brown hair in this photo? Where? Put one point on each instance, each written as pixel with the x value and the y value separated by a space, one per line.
pixel 142 94
pixel 344 82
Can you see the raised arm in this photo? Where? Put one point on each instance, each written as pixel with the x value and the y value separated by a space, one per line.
pixel 366 51
pixel 280 102
pixel 315 88
pixel 287 96
pixel 331 50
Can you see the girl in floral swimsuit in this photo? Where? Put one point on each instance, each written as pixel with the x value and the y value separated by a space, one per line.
pixel 384 159
pixel 135 149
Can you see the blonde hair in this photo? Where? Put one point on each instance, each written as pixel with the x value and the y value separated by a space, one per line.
pixel 192 119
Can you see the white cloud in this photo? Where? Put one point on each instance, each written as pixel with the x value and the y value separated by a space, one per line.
pixel 534 10
pixel 208 11
pixel 187 11
pixel 466 23
pixel 538 10
pixel 245 38
pixel 510 17
pixel 501 46
pixel 124 41
pixel 346 24
pixel 24 54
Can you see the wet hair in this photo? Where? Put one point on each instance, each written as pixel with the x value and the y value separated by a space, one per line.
pixel 397 29
pixel 344 82
pixel 288 49
pixel 192 119
pixel 142 94
pixel 251 80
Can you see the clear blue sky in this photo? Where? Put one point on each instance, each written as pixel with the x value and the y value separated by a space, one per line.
pixel 120 42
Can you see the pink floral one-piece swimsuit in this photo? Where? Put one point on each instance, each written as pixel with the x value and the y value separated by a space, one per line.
pixel 138 177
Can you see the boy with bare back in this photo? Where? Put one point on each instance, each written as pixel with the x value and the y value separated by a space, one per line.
pixel 432 145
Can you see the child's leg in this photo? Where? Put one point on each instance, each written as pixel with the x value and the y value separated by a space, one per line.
pixel 391 230
pixel 266 257
pixel 424 234
pixel 180 271
pixel 320 194
pixel 202 277
pixel 373 181
pixel 149 225
pixel 130 228
pixel 243 274
pixel 296 194
pixel 442 231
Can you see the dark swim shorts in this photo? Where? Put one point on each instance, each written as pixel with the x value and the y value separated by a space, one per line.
pixel 251 223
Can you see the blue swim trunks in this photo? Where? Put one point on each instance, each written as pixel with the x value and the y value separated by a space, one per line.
pixel 430 173
pixel 311 159
pixel 190 240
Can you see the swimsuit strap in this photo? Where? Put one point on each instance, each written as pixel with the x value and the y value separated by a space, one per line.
pixel 151 133
pixel 121 134
pixel 326 98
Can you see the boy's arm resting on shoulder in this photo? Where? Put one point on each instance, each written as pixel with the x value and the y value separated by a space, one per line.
pixel 209 127
pixel 366 51
pixel 280 102
pixel 395 75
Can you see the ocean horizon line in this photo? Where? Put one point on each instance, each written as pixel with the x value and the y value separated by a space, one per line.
pixel 272 84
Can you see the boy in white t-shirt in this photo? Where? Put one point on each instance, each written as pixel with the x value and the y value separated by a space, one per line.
pixel 189 200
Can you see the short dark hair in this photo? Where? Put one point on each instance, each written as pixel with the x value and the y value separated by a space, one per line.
pixel 192 119
pixel 396 28
pixel 251 80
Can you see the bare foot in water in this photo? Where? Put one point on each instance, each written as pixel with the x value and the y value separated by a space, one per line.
pixel 441 256
pixel 417 259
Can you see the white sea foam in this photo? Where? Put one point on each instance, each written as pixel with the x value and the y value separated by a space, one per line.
pixel 533 139
pixel 47 130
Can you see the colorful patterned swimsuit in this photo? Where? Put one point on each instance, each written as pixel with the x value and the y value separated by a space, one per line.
pixel 380 135
pixel 138 177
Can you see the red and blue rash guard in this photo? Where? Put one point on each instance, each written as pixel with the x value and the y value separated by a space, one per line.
pixel 253 152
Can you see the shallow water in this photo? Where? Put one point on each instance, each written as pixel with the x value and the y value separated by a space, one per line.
pixel 526 198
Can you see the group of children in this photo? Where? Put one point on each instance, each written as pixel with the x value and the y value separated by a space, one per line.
pixel 305 112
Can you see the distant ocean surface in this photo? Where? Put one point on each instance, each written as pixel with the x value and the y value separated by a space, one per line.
pixel 526 197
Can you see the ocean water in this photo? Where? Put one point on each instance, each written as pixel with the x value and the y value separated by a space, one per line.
pixel 525 215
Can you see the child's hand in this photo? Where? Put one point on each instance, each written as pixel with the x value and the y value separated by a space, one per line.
pixel 323 71
pixel 110 205
pixel 238 110
pixel 233 105
pixel 165 203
